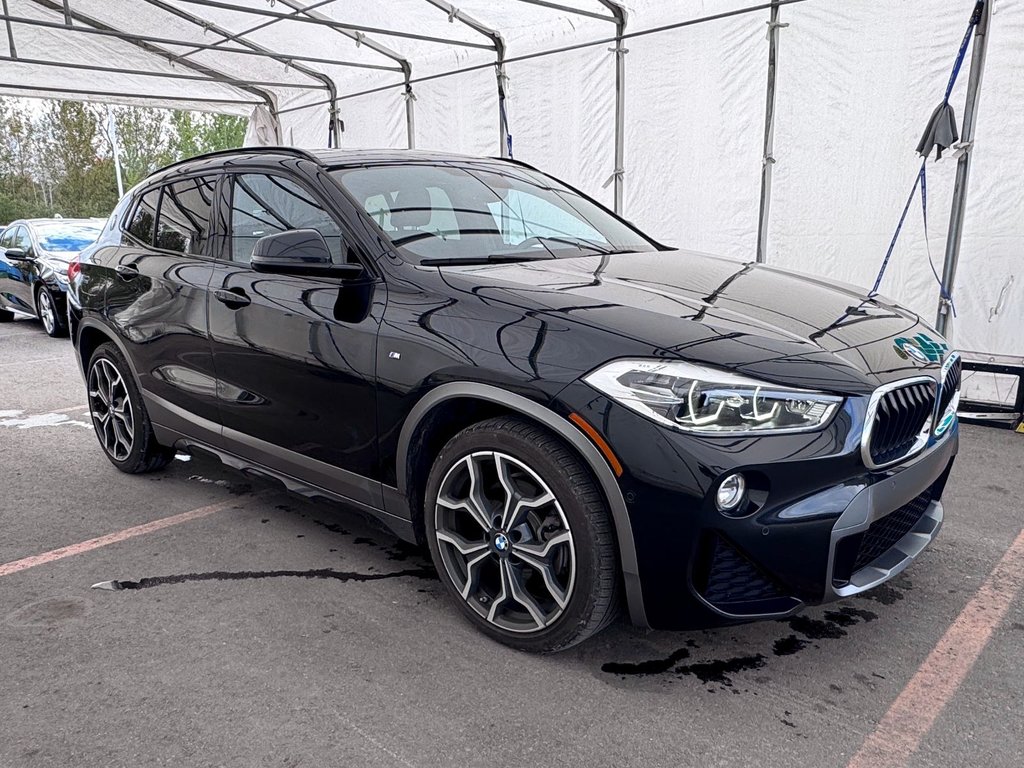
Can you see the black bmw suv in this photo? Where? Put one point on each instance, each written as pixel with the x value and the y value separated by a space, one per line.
pixel 568 414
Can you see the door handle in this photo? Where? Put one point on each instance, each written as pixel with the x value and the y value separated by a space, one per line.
pixel 127 271
pixel 233 298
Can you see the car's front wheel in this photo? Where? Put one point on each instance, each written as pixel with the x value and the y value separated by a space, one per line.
pixel 46 307
pixel 521 536
pixel 119 415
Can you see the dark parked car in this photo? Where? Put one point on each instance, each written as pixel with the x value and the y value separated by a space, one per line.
pixel 34 258
pixel 568 414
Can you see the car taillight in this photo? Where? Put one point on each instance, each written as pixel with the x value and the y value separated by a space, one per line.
pixel 74 269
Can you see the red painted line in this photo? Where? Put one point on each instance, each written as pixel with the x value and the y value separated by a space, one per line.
pixel 112 538
pixel 900 731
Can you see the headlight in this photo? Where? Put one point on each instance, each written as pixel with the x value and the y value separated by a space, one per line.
pixel 693 398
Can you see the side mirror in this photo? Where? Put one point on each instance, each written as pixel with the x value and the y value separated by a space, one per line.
pixel 298 252
pixel 16 254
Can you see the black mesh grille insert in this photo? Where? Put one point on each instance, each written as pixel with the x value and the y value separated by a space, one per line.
pixel 886 531
pixel 899 418
pixel 732 578
pixel 950 386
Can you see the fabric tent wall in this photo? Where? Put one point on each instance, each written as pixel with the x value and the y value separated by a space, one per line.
pixel 857 81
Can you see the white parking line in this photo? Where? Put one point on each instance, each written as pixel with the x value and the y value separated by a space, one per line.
pixel 40 360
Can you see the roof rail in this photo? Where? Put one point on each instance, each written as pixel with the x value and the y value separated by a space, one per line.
pixel 243 151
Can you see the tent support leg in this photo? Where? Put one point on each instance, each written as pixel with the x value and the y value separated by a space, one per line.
pixel 963 169
pixel 503 142
pixel 767 158
pixel 620 111
pixel 619 174
pixel 410 109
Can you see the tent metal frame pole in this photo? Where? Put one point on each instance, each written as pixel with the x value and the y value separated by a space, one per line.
pixel 10 31
pixel 334 128
pixel 98 27
pixel 410 109
pixel 376 47
pixel 619 14
pixel 498 46
pixel 234 36
pixel 768 153
pixel 979 52
pixel 333 24
pixel 570 9
pixel 130 37
pixel 161 75
pixel 36 89
pixel 955 235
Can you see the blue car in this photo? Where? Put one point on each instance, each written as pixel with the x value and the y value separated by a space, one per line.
pixel 34 258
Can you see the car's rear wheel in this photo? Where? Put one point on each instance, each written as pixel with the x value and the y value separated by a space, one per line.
pixel 6 316
pixel 46 308
pixel 521 536
pixel 119 415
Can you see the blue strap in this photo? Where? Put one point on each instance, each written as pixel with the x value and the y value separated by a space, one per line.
pixel 896 234
pixel 975 18
pixel 979 7
pixel 924 214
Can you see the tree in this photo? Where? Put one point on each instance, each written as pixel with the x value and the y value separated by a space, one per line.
pixel 142 137
pixel 70 158
pixel 193 133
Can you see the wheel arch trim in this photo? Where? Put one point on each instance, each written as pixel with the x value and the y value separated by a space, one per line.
pixel 568 432
pixel 88 323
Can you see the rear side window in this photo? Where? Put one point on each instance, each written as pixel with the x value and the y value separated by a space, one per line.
pixel 140 226
pixel 265 205
pixel 7 239
pixel 184 222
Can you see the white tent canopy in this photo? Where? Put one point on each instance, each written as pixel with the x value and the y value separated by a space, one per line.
pixel 856 82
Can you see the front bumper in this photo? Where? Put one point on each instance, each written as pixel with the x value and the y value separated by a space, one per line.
pixel 826 526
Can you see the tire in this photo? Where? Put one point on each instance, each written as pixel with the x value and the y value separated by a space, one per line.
pixel 495 558
pixel 46 309
pixel 119 416
pixel 5 316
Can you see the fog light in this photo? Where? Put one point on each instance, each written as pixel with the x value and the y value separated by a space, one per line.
pixel 730 493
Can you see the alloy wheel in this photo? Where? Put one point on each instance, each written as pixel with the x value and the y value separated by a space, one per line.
pixel 47 313
pixel 505 541
pixel 111 409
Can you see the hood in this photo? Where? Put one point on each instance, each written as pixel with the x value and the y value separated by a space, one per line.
pixel 780 326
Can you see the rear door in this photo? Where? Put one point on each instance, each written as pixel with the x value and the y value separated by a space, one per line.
pixel 295 356
pixel 157 301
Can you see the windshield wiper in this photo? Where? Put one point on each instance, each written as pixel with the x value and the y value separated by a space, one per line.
pixel 493 258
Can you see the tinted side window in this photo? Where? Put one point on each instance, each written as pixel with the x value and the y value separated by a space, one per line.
pixel 264 205
pixel 23 240
pixel 184 222
pixel 7 238
pixel 141 224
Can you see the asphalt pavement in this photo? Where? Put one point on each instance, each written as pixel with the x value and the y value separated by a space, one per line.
pixel 267 630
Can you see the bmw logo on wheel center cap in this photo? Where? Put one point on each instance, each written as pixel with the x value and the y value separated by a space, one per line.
pixel 501 542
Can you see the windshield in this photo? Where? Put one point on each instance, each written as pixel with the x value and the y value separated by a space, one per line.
pixel 477 213
pixel 67 238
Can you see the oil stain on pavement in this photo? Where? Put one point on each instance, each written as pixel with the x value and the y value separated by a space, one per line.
pixel 806 631
pixel 318 573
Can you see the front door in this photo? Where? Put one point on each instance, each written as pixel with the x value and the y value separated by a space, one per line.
pixel 295 356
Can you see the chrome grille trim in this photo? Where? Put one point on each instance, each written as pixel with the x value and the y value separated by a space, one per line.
pixel 869 420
